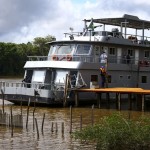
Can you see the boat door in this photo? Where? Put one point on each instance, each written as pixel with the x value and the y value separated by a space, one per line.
pixel 119 54
pixel 136 56
pixel 96 53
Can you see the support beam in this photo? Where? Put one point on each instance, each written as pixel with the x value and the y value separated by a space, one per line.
pixel 76 99
pixel 119 101
pixel 99 97
pixel 129 102
pixel 143 100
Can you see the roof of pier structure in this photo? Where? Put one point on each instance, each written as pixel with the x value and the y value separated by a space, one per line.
pixel 131 22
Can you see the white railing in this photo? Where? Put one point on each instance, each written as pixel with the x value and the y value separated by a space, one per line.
pixel 27 85
pixel 91 59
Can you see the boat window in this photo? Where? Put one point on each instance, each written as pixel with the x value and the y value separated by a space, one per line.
pixel 62 49
pixel 112 51
pixel 144 79
pixel 109 78
pixel 128 77
pixel 83 49
pixel 38 76
pixel 120 76
pixel 147 54
pixel 60 76
pixel 130 52
pixel 52 50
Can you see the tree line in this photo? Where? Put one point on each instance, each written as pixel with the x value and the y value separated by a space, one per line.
pixel 13 56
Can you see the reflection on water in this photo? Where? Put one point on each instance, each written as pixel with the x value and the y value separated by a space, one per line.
pixel 56 140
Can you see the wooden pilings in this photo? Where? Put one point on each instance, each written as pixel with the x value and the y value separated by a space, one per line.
pixel 119 92
pixel 70 119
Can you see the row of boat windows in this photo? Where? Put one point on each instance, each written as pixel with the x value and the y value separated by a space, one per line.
pixel 70 49
pixel 86 49
pixel 113 52
pixel 94 78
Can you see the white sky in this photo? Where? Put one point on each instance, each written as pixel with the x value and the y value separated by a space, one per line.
pixel 23 20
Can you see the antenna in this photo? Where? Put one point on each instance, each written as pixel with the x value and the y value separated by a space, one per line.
pixel 71 29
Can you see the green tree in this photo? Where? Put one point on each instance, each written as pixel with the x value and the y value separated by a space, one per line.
pixel 41 45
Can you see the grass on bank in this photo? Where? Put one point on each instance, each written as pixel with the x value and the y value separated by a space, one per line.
pixel 117 133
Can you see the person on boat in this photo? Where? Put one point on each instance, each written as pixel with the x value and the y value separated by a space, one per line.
pixel 103 76
pixel 27 80
pixel 103 57
pixel 128 58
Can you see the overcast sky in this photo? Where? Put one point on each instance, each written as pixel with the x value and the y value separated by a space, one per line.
pixel 23 20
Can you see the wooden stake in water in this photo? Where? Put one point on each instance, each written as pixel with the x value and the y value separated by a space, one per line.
pixel 43 123
pixel 70 119
pixel 27 114
pixel 37 128
pixel 62 127
pixel 11 119
pixel 56 126
pixel 3 97
pixel 52 127
pixel 33 117
pixel 21 106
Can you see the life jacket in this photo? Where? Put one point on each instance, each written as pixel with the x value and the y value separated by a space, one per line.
pixel 103 71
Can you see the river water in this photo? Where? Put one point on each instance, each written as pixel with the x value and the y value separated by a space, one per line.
pixel 53 137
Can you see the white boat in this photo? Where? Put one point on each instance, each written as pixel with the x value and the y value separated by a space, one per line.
pixel 74 62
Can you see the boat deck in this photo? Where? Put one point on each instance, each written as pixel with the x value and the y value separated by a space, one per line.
pixel 118 91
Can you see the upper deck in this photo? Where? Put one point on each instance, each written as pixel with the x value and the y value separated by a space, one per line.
pixel 118 31
pixel 87 46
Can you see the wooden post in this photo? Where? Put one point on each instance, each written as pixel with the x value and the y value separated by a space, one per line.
pixel 76 99
pixel 108 100
pixel 21 106
pixel 92 115
pixel 129 102
pixel 70 119
pixel 143 97
pixel 62 127
pixel 11 119
pixel 80 122
pixel 33 117
pixel 3 97
pixel 116 100
pixel 119 101
pixel 37 128
pixel 52 127
pixel 56 126
pixel 27 114
pixel 99 97
pixel 43 123
pixel 129 115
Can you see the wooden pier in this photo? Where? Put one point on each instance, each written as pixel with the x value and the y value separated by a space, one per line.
pixel 118 91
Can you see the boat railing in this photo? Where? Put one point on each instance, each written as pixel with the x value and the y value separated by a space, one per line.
pixel 37 58
pixel 137 39
pixel 27 85
pixel 96 59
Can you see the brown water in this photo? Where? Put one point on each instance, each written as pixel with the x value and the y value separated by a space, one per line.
pixel 26 139
pixel 57 140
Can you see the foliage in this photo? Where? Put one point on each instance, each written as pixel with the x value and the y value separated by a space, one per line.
pixel 117 133
pixel 13 56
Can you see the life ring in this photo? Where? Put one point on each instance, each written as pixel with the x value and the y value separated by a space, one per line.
pixel 69 58
pixel 55 58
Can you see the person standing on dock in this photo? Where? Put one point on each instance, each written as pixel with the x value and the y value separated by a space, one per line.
pixel 103 76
